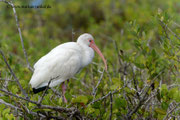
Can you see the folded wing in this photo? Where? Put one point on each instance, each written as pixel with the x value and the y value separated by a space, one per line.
pixel 60 64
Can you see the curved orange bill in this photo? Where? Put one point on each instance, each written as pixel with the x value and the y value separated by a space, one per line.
pixel 93 45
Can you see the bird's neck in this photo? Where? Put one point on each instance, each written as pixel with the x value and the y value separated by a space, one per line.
pixel 87 55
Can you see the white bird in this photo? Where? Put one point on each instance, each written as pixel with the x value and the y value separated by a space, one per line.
pixel 63 62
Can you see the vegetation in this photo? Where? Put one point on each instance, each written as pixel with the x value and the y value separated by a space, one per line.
pixel 139 38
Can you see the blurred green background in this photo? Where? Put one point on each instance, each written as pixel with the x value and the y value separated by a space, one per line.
pixel 45 28
pixel 133 24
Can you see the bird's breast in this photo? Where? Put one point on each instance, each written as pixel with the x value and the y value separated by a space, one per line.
pixel 87 56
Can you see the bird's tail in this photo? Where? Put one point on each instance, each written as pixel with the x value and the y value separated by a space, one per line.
pixel 39 89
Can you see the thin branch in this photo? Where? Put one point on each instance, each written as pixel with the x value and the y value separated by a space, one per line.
pixel 17 108
pixel 113 92
pixel 165 118
pixel 111 101
pixel 30 112
pixel 142 99
pixel 40 106
pixel 17 96
pixel 104 97
pixel 99 81
pixel 55 91
pixel 10 105
pixel 40 100
pixel 4 79
pixel 72 34
pixel 20 34
pixel 170 30
pixel 13 74
pixel 59 109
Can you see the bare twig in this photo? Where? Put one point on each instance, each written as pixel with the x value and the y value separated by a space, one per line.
pixel 111 101
pixel 20 34
pixel 72 35
pixel 142 99
pixel 113 92
pixel 59 109
pixel 99 81
pixel 55 91
pixel 18 108
pixel 13 74
pixel 11 94
pixel 165 118
pixel 30 112
pixel 40 100
pixel 104 97
pixel 170 30
pixel 40 106
pixel 3 79
pixel 9 105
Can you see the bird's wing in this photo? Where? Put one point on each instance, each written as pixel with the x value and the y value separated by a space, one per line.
pixel 61 63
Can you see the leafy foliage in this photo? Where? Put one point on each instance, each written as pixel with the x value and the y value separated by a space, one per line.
pixel 139 38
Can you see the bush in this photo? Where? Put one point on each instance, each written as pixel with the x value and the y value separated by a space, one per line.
pixel 139 38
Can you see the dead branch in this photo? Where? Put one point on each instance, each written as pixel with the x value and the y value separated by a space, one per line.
pixel 142 99
pixel 40 100
pixel 104 97
pixel 165 25
pixel 13 74
pixel 111 104
pixel 40 106
pixel 20 34
pixel 17 96
pixel 99 81
pixel 10 105
pixel 166 117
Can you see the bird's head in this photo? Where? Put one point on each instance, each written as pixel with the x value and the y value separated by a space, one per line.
pixel 87 39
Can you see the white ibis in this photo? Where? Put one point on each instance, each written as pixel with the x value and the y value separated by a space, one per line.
pixel 63 62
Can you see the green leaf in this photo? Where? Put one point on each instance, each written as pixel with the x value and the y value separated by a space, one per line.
pixel 6 111
pixel 164 90
pixel 160 111
pixel 60 101
pixel 2 106
pixel 153 53
pixel 164 105
pixel 137 43
pixel 80 99
pixel 89 109
pixel 120 102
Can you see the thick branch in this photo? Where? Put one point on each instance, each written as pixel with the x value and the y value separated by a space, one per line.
pixel 40 106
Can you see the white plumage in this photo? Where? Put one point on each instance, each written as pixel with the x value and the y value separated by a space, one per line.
pixel 64 61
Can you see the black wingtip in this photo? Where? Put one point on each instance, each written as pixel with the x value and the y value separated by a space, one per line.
pixel 39 89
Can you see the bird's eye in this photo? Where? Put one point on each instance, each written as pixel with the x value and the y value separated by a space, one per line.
pixel 90 40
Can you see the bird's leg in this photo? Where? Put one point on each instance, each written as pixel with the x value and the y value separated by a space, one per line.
pixel 63 92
